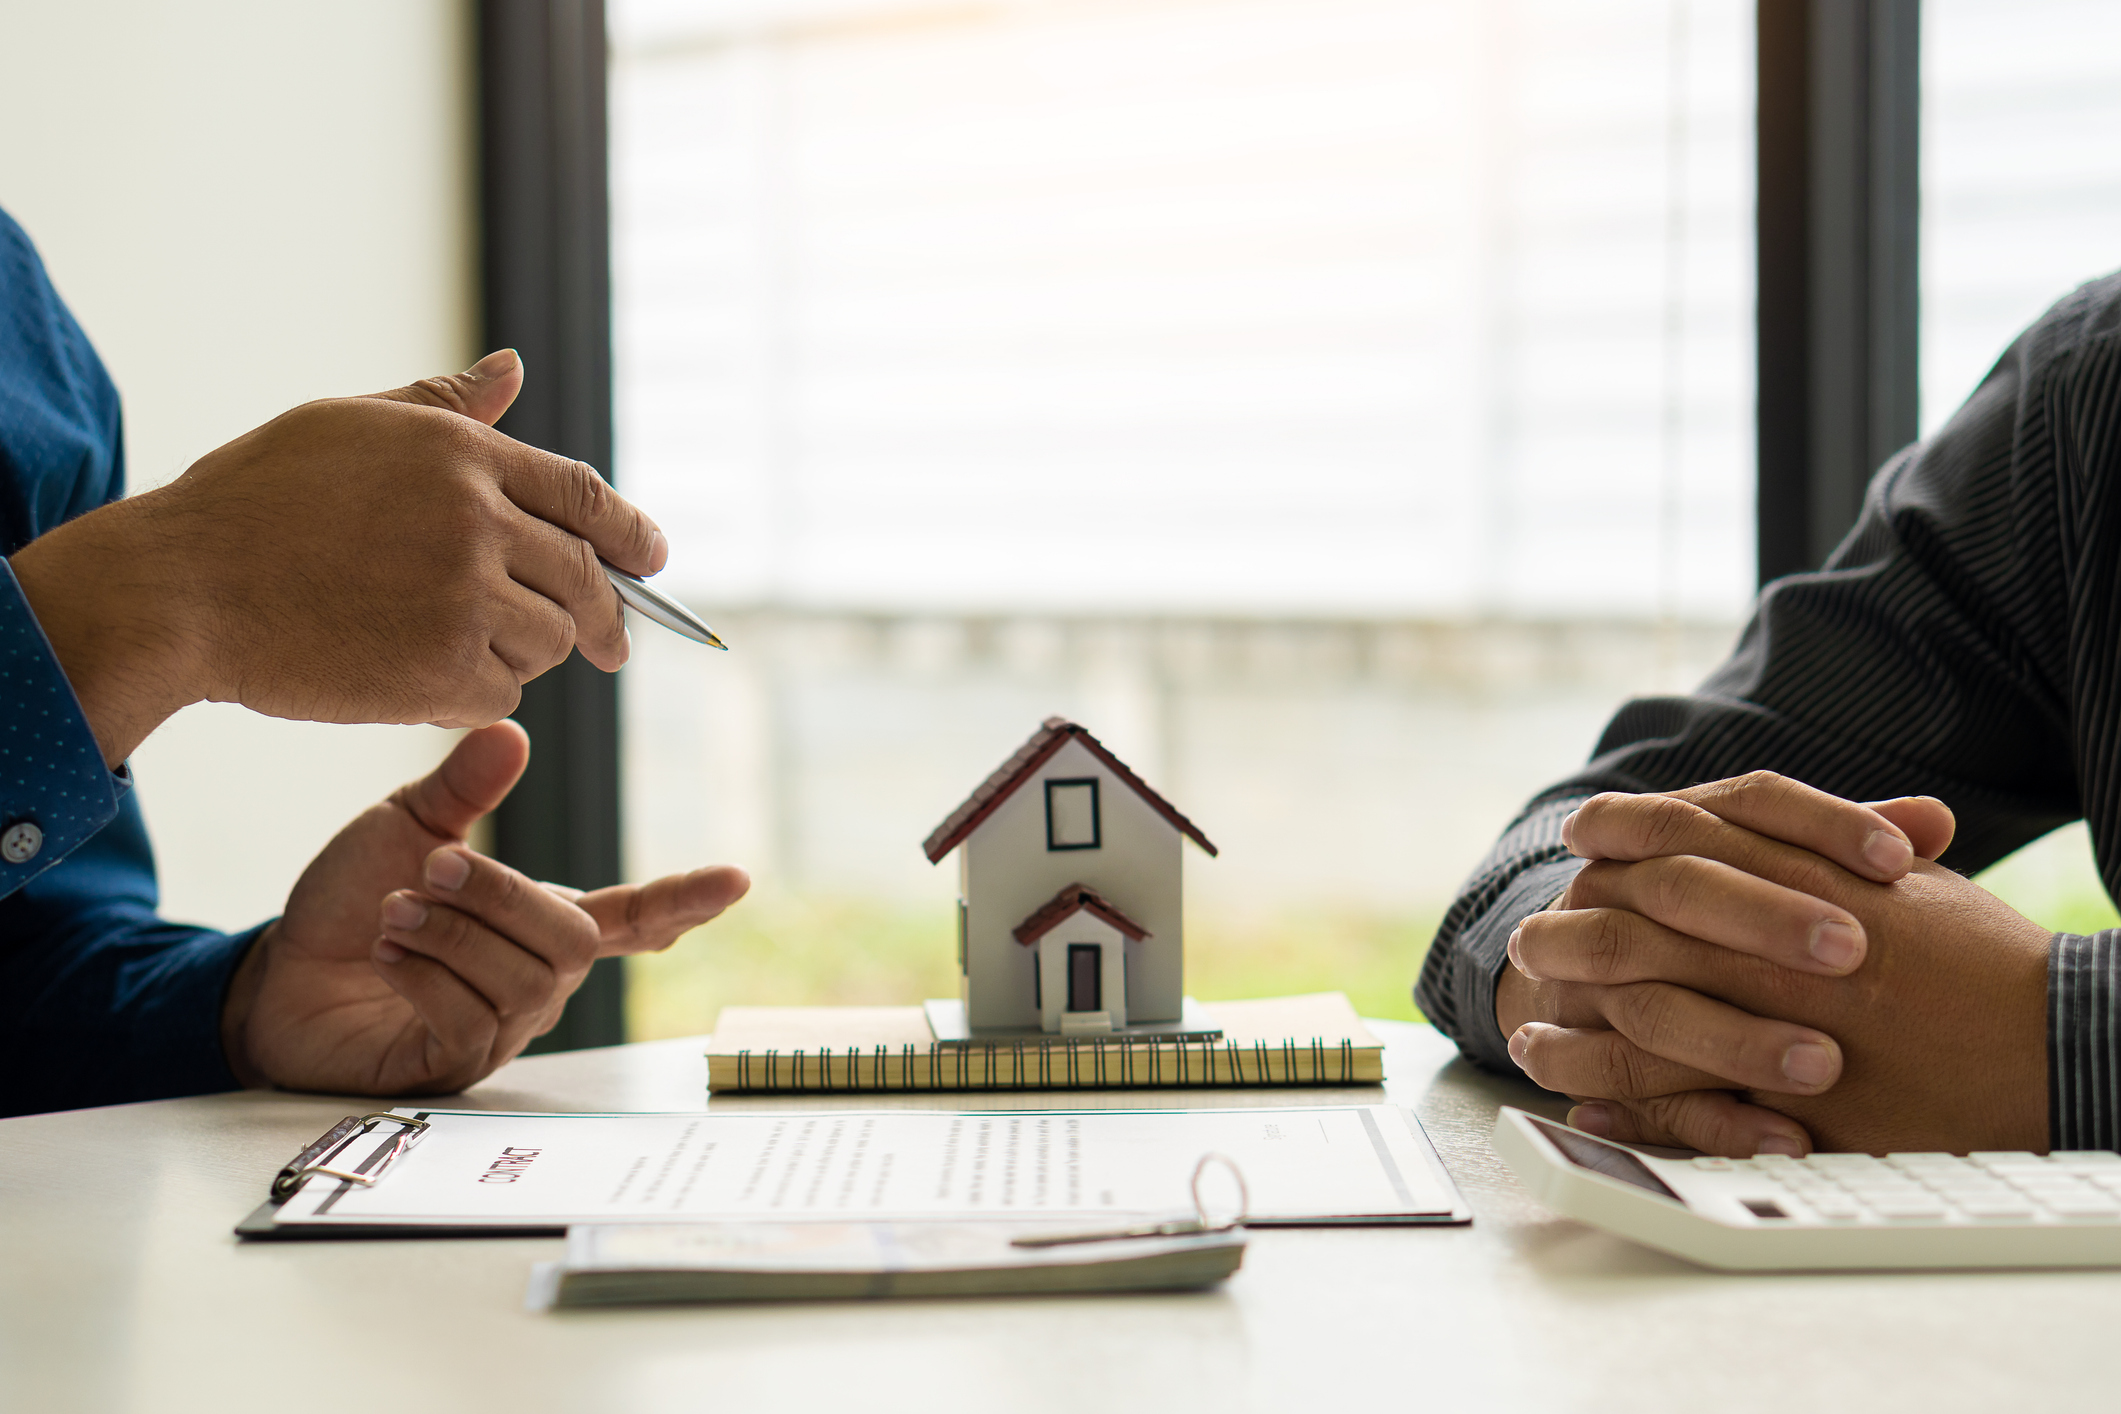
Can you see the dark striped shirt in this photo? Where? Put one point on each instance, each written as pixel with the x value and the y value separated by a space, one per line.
pixel 1964 642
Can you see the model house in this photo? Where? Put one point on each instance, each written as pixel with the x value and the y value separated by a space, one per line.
pixel 1070 914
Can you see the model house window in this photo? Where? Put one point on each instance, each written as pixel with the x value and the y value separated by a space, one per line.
pixel 1071 815
pixel 1085 979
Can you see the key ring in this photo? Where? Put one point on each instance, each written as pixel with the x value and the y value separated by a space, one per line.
pixel 1244 1194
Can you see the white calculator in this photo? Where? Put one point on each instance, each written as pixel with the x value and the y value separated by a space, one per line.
pixel 1827 1211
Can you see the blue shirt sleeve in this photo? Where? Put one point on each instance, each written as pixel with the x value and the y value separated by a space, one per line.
pixel 54 789
pixel 100 1000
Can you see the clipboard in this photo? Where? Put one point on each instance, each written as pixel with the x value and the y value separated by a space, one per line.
pixel 340 1153
pixel 497 1173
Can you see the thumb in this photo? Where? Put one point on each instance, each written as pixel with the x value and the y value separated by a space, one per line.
pixel 476 776
pixel 1927 822
pixel 481 392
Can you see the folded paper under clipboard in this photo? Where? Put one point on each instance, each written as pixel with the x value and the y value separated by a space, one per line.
pixel 431 1172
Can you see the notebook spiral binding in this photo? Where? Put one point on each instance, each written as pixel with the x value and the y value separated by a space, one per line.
pixel 1076 1063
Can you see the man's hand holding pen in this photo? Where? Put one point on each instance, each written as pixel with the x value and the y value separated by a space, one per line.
pixel 380 559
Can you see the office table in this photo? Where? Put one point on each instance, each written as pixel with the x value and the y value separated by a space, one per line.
pixel 121 1288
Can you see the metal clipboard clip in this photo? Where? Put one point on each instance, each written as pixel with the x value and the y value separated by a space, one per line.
pixel 317 1158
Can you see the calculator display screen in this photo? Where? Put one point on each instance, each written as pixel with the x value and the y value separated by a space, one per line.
pixel 1601 1157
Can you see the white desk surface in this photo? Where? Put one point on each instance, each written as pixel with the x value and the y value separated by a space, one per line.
pixel 122 1289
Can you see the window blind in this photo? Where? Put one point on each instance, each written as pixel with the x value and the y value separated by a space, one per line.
pixel 1251 307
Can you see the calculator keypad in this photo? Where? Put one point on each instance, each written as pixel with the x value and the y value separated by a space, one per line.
pixel 1931 1188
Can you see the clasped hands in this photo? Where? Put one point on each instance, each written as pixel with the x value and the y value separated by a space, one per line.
pixel 1754 966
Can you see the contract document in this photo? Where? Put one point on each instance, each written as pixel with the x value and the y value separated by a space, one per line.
pixel 478 1169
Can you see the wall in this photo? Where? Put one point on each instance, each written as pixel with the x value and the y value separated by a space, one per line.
pixel 248 205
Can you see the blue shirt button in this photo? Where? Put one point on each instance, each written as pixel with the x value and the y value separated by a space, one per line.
pixel 21 841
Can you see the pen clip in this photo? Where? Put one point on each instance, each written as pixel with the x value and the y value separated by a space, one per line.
pixel 1199 1225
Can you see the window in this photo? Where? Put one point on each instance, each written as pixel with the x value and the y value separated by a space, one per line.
pixel 2021 174
pixel 1338 406
pixel 1072 814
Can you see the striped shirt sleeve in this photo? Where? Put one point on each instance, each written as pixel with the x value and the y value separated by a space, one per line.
pixel 2083 1052
pixel 1526 870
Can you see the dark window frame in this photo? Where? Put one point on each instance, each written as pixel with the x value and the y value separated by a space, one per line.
pixel 545 277
pixel 1097 813
pixel 1837 301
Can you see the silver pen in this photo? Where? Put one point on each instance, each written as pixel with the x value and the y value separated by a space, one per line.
pixel 638 596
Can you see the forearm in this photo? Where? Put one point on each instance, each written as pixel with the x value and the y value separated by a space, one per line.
pixel 110 593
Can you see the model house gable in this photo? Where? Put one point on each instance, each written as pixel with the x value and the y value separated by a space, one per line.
pixel 1063 813
pixel 1047 742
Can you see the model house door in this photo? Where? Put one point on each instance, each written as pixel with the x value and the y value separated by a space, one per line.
pixel 1086 968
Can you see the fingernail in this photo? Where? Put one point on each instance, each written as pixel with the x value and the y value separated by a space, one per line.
pixel 1568 828
pixel 1836 943
pixel 1888 853
pixel 658 553
pixel 447 869
pixel 1808 1063
pixel 1517 1046
pixel 1780 1144
pixel 389 951
pixel 1517 954
pixel 494 364
pixel 403 912
pixel 1592 1119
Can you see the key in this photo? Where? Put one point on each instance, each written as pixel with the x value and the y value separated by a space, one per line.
pixel 1174 1227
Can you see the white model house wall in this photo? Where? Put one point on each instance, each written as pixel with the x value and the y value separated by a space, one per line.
pixel 1008 873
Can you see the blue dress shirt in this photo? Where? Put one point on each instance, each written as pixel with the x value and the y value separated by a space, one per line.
pixel 100 1000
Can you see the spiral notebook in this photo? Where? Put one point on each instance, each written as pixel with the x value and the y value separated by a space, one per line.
pixel 1307 1040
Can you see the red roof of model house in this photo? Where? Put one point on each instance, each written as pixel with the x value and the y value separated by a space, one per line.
pixel 1076 898
pixel 1053 734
